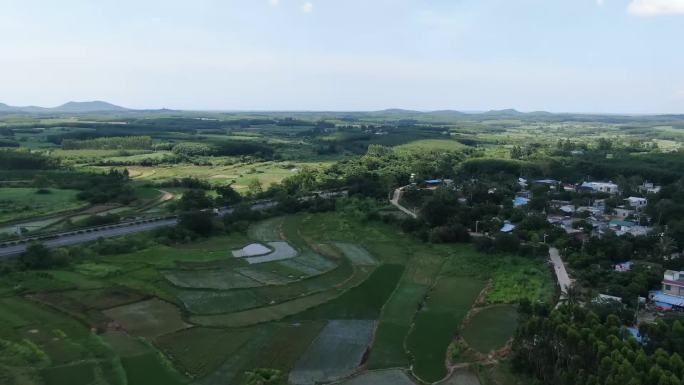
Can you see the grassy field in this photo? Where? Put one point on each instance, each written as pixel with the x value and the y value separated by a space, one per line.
pixel 237 174
pixel 18 203
pixel 432 145
pixel 397 315
pixel 491 328
pixel 435 324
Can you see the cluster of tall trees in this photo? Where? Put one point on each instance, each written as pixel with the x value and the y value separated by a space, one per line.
pixel 227 148
pixel 109 143
pixel 571 345
pixel 25 160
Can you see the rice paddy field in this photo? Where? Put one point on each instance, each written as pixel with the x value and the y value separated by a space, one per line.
pixel 340 300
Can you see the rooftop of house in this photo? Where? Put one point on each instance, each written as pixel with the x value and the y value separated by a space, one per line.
pixel 666 300
pixel 674 276
pixel 617 222
pixel 507 228
pixel 594 183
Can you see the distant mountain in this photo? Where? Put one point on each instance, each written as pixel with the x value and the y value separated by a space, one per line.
pixel 395 111
pixel 70 107
pixel 94 106
pixel 506 112
pixel 7 108
pixel 447 113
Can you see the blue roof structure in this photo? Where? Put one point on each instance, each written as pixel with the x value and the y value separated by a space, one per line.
pixel 666 300
pixel 520 201
pixel 546 181
pixel 507 228
pixel 433 181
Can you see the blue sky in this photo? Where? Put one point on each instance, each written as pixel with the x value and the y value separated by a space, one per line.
pixel 623 56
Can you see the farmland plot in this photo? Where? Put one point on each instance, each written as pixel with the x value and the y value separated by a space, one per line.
pixel 251 250
pixel 336 353
pixel 355 253
pixel 264 277
pixel 310 264
pixel 381 377
pixel 149 318
pixel 218 279
pixel 281 250
pixel 268 230
pixel 217 302
pixel 435 324
pixel 491 328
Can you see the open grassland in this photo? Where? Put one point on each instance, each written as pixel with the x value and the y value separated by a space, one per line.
pixel 491 328
pixel 19 203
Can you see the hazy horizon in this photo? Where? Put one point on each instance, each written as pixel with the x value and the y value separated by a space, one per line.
pixel 585 56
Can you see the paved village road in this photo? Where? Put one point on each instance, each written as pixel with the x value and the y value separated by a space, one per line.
pixel 395 201
pixel 559 268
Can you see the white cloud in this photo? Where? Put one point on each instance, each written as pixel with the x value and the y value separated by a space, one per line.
pixel 656 7
pixel 307 7
pixel 600 2
pixel 274 3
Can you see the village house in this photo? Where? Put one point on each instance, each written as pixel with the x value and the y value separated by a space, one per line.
pixel 623 267
pixel 604 187
pixel 649 188
pixel 672 293
pixel 637 203
pixel 622 212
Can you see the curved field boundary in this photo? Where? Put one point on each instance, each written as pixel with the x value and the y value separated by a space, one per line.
pixel 355 253
pixel 491 328
pixel 219 279
pixel 149 318
pixel 265 277
pixel 281 251
pixel 281 310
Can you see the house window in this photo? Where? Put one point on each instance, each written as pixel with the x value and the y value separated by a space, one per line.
pixel 668 287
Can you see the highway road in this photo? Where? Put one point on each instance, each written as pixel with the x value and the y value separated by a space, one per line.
pixel 73 238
